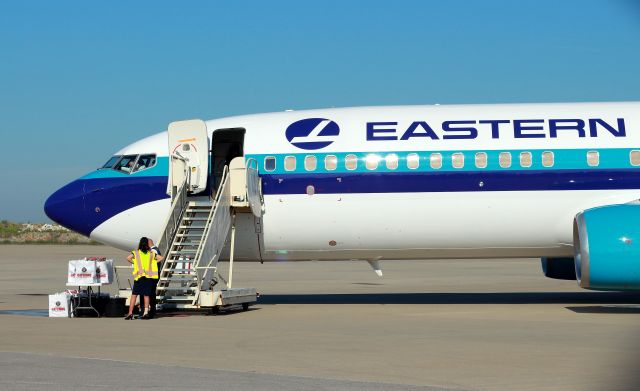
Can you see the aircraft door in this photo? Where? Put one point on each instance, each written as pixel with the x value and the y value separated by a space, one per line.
pixel 226 144
pixel 189 155
pixel 254 193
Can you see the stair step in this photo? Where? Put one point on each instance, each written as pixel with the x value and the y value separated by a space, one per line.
pixel 182 252
pixel 200 203
pixel 185 248
pixel 180 274
pixel 179 261
pixel 177 258
pixel 175 288
pixel 188 244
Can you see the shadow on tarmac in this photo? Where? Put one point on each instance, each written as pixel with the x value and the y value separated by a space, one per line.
pixel 607 309
pixel 457 298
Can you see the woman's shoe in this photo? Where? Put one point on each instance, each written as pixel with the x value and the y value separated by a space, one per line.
pixel 128 317
pixel 145 316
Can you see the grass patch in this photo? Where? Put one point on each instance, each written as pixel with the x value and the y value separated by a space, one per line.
pixel 9 229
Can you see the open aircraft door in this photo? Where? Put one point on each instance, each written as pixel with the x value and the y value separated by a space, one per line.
pixel 188 156
pixel 254 191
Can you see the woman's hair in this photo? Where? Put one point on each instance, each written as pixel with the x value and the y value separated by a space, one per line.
pixel 144 245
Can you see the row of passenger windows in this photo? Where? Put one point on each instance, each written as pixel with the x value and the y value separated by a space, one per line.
pixel 392 161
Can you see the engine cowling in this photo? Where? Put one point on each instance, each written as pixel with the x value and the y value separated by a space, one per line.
pixel 606 242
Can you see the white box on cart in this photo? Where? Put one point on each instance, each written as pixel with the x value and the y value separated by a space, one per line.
pixel 60 305
pixel 86 272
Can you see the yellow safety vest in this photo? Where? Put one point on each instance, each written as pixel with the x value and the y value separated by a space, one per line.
pixel 144 265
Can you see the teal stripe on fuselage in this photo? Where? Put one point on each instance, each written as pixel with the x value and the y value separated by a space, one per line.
pixel 569 159
pixel 564 159
pixel 160 169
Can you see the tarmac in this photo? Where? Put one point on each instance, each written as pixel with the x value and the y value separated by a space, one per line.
pixel 495 324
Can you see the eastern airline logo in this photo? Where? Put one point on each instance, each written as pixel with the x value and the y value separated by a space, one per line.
pixel 312 133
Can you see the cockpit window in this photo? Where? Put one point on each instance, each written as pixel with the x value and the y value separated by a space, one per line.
pixel 111 162
pixel 144 162
pixel 130 163
pixel 126 164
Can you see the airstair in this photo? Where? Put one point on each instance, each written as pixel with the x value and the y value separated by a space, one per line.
pixel 199 227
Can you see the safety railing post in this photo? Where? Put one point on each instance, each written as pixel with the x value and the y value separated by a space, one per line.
pixel 233 242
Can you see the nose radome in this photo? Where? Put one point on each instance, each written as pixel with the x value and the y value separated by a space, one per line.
pixel 66 207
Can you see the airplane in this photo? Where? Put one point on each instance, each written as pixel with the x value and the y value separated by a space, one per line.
pixel 558 181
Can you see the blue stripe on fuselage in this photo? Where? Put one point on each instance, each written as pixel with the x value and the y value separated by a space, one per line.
pixel 447 181
pixel 107 197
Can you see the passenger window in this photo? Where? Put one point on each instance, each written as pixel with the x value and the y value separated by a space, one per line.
pixel 351 162
pixel 525 159
pixel 330 162
pixel 547 159
pixel 144 162
pixel 126 164
pixel 310 163
pixel 634 157
pixel 269 163
pixel 413 161
pixel 457 160
pixel 392 161
pixel 435 160
pixel 593 158
pixel 290 163
pixel 371 161
pixel 505 159
pixel 481 160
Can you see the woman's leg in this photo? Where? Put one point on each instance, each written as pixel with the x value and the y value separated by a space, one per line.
pixel 146 305
pixel 132 303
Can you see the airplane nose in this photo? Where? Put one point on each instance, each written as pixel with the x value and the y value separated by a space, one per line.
pixel 66 207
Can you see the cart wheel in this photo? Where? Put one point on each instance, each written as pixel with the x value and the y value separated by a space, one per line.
pixel 245 306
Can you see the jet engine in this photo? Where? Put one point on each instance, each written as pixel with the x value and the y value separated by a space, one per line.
pixel 606 244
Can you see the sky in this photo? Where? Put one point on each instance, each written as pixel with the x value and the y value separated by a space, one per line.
pixel 81 79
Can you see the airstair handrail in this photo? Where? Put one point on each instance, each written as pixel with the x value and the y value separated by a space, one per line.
pixel 173 219
pixel 215 234
pixel 207 228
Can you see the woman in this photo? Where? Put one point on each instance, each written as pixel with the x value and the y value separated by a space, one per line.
pixel 145 270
